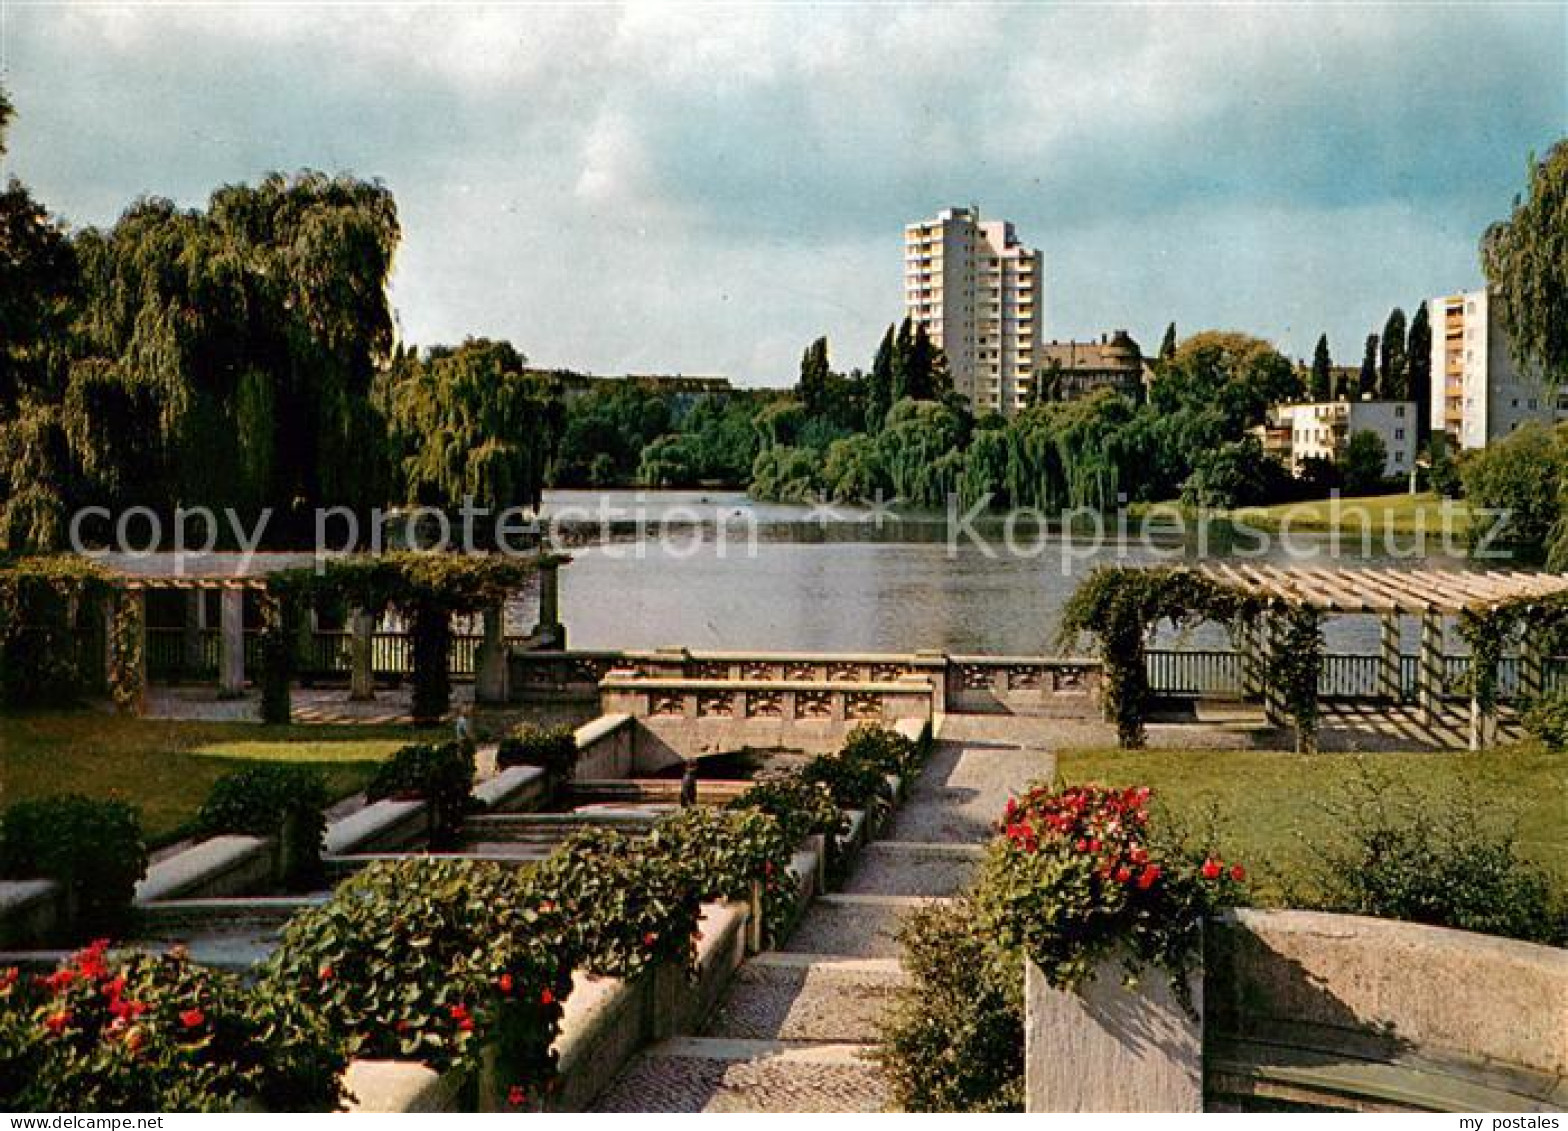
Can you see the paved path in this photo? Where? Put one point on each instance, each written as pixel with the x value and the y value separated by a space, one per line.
pixel 793 1031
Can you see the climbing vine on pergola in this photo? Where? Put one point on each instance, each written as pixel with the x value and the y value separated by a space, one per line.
pixel 426 589
pixel 1121 606
pixel 43 599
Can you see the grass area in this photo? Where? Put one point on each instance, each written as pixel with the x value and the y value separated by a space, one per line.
pixel 1398 514
pixel 1267 805
pixel 166 768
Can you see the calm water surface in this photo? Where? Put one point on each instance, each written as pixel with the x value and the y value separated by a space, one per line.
pixel 843 584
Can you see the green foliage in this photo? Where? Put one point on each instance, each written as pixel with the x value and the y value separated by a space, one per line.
pixel 626 904
pixel 726 852
pixel 42 602
pixel 279 630
pixel 1294 666
pixel 1082 876
pixel 1119 606
pixel 954 1039
pixel 802 808
pixel 886 750
pixel 1367 382
pixel 471 422
pixel 1546 719
pixel 1393 373
pixel 432 959
pixel 440 775
pixel 93 849
pixel 786 474
pixel 1522 476
pixel 850 781
pixel 1526 262
pixel 1321 385
pixel 552 749
pixel 1403 852
pixel 1362 463
pixel 1235 474
pixel 139 1032
pixel 1418 348
pixel 286 802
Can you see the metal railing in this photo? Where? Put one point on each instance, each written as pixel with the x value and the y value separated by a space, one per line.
pixel 181 654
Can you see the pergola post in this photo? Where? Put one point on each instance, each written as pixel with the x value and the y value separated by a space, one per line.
pixel 231 653
pixel 1532 666
pixel 490 665
pixel 137 599
pixel 1429 679
pixel 550 604
pixel 1389 683
pixel 362 676
pixel 1247 645
pixel 195 621
pixel 1273 707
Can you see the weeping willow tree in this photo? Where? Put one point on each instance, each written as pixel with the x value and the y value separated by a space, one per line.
pixel 920 451
pixel 1069 455
pixel 221 357
pixel 471 422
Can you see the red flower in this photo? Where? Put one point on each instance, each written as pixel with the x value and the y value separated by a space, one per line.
pixel 515 1096
pixel 650 938
pixel 402 1026
pixel 1212 868
pixel 192 1018
pixel 134 1040
pixel 1081 845
pixel 1238 873
pixel 464 1019
pixel 1150 874
pixel 504 983
pixel 8 977
pixel 56 1022
pixel 1123 874
pixel 326 973
pixel 60 979
pixel 546 997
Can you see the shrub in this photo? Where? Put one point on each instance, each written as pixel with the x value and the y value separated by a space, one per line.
pixel 885 749
pixel 725 853
pixel 1546 719
pixel 429 960
pixel 285 802
pixel 1079 876
pixel 92 848
pixel 627 905
pixel 139 1032
pixel 552 749
pixel 954 1038
pixel 853 784
pixel 441 775
pixel 1450 861
pixel 803 808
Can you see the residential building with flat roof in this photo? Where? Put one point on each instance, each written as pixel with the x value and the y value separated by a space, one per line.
pixel 1478 393
pixel 1322 430
pixel 979 293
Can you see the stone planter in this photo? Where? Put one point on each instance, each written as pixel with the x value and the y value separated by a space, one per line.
pixel 1107 1048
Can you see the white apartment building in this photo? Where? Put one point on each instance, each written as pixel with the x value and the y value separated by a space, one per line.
pixel 1478 394
pixel 1323 430
pixel 979 293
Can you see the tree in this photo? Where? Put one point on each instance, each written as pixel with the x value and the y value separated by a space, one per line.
pixel 1048 383
pixel 815 376
pixel 1362 463
pixel 1168 343
pixel 1393 369
pixel 1520 478
pixel 1419 350
pixel 472 422
pixel 1526 262
pixel 1233 475
pixel 1322 383
pixel 879 386
pixel 1367 387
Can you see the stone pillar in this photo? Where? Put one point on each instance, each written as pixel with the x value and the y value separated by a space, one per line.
pixel 231 654
pixel 195 621
pixel 550 605
pixel 362 675
pixel 490 665
pixel 1429 675
pixel 1388 677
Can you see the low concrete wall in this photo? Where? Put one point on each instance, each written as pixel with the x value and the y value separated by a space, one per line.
pixel 515 790
pixel 605 747
pixel 1428 988
pixel 215 868
pixel 377 827
pixel 32 912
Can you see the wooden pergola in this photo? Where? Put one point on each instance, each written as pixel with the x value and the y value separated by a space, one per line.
pixel 1430 595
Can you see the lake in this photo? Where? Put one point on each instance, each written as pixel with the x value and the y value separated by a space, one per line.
pixel 714 570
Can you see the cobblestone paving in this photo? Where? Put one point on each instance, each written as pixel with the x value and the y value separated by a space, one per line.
pixel 854 930
pixel 823 1001
pixel 658 1081
pixel 966 783
pixel 892 868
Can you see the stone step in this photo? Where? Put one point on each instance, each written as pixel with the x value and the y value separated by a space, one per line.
pixel 892 867
pixel 807 997
pixel 852 926
pixel 725 1075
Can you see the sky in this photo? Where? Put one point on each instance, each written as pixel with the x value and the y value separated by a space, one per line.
pixel 704 190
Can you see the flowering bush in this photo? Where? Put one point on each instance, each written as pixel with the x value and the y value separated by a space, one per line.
pixel 1079 875
pixel 553 749
pixel 852 783
pixel 92 848
pixel 627 904
pixel 429 959
pixel 286 802
pixel 442 776
pixel 803 808
pixel 887 750
pixel 142 1032
pixel 724 853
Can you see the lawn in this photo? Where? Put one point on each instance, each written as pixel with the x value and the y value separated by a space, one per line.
pixel 1268 805
pixel 166 768
pixel 1398 514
